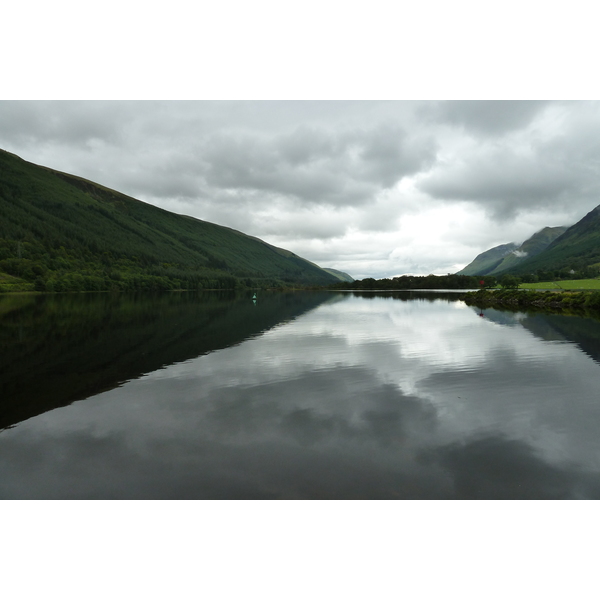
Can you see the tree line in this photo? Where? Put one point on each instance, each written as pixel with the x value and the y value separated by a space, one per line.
pixel 420 282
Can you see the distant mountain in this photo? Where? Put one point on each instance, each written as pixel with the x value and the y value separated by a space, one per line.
pixel 577 248
pixel 487 261
pixel 61 232
pixel 537 243
pixel 507 257
pixel 340 275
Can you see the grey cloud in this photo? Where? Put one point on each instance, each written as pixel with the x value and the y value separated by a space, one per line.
pixel 306 226
pixel 507 179
pixel 502 469
pixel 65 122
pixel 316 166
pixel 389 154
pixel 283 439
pixel 503 182
pixel 247 163
pixel 305 145
pixel 488 117
pixel 233 162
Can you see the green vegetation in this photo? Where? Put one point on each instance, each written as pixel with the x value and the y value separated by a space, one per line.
pixel 509 282
pixel 542 299
pixel 573 284
pixel 502 259
pixel 419 282
pixel 551 255
pixel 533 246
pixel 59 232
pixel 339 274
pixel 575 251
pixel 487 261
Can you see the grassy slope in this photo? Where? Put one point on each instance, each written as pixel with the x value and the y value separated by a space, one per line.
pixel 574 284
pixel 340 275
pixel 487 261
pixel 577 248
pixel 53 224
pixel 537 243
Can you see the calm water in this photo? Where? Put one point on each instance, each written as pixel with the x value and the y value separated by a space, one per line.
pixel 299 395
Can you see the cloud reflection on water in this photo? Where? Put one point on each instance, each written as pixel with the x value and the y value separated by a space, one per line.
pixel 377 399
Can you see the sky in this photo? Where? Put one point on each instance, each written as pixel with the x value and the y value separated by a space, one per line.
pixel 372 188
pixel 379 140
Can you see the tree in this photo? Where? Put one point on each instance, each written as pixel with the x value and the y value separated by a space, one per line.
pixel 509 282
pixel 489 281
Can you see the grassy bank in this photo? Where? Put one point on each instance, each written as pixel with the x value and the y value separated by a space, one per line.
pixel 572 284
pixel 540 299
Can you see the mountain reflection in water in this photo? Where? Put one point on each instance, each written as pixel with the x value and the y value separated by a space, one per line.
pixel 303 395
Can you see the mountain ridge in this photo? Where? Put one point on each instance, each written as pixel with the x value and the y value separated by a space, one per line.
pixel 487 261
pixel 506 257
pixel 577 249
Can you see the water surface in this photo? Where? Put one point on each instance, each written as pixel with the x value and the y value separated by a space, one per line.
pixel 297 395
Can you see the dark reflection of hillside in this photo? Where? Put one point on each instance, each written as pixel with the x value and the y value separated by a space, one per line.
pixel 58 349
pixel 582 331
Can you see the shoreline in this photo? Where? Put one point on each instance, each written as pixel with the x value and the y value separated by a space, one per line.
pixel 534 298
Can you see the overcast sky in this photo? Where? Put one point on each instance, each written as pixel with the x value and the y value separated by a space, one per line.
pixel 371 188
pixel 322 167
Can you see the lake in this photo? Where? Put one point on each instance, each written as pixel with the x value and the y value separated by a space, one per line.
pixel 299 395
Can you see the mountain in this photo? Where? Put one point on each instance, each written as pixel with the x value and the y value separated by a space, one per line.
pixel 61 232
pixel 578 248
pixel 507 257
pixel 531 247
pixel 487 261
pixel 340 275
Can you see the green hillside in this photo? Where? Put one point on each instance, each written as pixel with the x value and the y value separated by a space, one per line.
pixel 577 249
pixel 60 232
pixel 504 258
pixel 340 275
pixel 487 261
pixel 531 247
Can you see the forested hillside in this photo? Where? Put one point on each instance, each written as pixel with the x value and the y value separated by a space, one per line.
pixel 487 261
pixel 59 232
pixel 505 258
pixel 576 250
pixel 537 243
